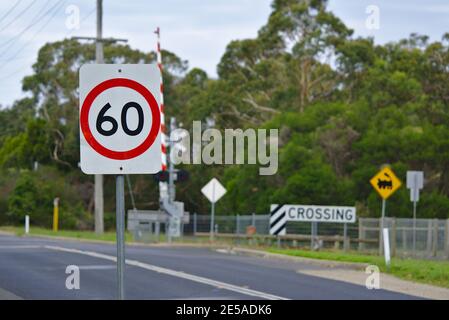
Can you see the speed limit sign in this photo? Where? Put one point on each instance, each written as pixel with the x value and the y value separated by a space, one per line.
pixel 120 119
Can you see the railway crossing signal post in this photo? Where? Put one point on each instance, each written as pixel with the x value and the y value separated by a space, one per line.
pixel 120 128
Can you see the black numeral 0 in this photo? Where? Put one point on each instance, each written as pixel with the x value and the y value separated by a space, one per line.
pixel 125 123
pixel 102 118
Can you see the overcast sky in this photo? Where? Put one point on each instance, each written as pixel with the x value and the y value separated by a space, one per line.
pixel 196 30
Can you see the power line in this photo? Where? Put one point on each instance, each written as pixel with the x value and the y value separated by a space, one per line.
pixel 31 39
pixel 18 16
pixel 33 20
pixel 10 10
pixel 34 36
pixel 37 18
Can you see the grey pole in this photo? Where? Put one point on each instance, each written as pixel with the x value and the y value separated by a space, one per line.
pixel 171 165
pixel 382 224
pixel 120 230
pixel 99 43
pixel 312 233
pixel 237 224
pixel 98 196
pixel 194 224
pixel 414 227
pixel 212 214
pixel 415 190
pixel 345 236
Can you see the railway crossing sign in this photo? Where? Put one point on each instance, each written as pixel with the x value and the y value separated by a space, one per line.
pixel 120 119
pixel 280 214
pixel 385 182
pixel 213 191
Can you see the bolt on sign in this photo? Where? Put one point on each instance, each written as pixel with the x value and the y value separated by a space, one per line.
pixel 385 182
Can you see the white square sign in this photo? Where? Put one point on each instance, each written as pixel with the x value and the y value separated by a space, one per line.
pixel 120 119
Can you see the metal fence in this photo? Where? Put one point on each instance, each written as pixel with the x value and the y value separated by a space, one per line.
pixel 428 238
pixel 431 235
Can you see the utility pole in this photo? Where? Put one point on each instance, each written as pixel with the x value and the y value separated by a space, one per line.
pixel 98 195
pixel 171 167
pixel 99 59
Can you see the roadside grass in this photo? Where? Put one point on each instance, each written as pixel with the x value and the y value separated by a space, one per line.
pixel 88 235
pixel 423 271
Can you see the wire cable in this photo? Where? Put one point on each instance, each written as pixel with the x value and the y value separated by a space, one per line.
pixel 18 16
pixel 25 67
pixel 37 18
pixel 40 29
pixel 34 20
pixel 10 10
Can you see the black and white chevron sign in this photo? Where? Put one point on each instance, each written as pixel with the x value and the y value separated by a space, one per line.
pixel 278 220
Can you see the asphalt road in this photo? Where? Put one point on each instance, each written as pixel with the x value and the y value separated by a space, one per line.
pixel 34 268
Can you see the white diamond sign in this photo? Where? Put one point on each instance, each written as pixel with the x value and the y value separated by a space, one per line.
pixel 213 190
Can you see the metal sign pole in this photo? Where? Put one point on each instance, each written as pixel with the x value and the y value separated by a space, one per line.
pixel 414 227
pixel 415 191
pixel 382 223
pixel 120 219
pixel 212 214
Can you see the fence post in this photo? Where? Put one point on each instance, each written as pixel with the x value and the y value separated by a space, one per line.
pixel 345 237
pixel 404 239
pixel 361 235
pixel 194 223
pixel 446 235
pixel 429 236
pixel 393 237
pixel 312 232
pixel 380 237
pixel 237 224
pixel 253 222
pixel 435 238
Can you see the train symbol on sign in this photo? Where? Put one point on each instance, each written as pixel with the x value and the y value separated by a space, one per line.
pixel 385 184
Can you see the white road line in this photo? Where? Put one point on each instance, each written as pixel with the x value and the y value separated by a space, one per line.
pixel 20 247
pixel 183 275
pixel 97 267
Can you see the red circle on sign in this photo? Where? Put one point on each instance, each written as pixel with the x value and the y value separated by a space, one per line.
pixel 154 108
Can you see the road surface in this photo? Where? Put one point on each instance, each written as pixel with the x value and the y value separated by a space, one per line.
pixel 34 268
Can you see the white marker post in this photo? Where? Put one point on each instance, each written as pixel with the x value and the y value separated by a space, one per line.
pixel 27 224
pixel 386 247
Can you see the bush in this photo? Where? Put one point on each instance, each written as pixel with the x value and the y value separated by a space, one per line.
pixel 34 193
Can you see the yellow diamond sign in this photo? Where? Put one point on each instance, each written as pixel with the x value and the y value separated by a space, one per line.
pixel 385 182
